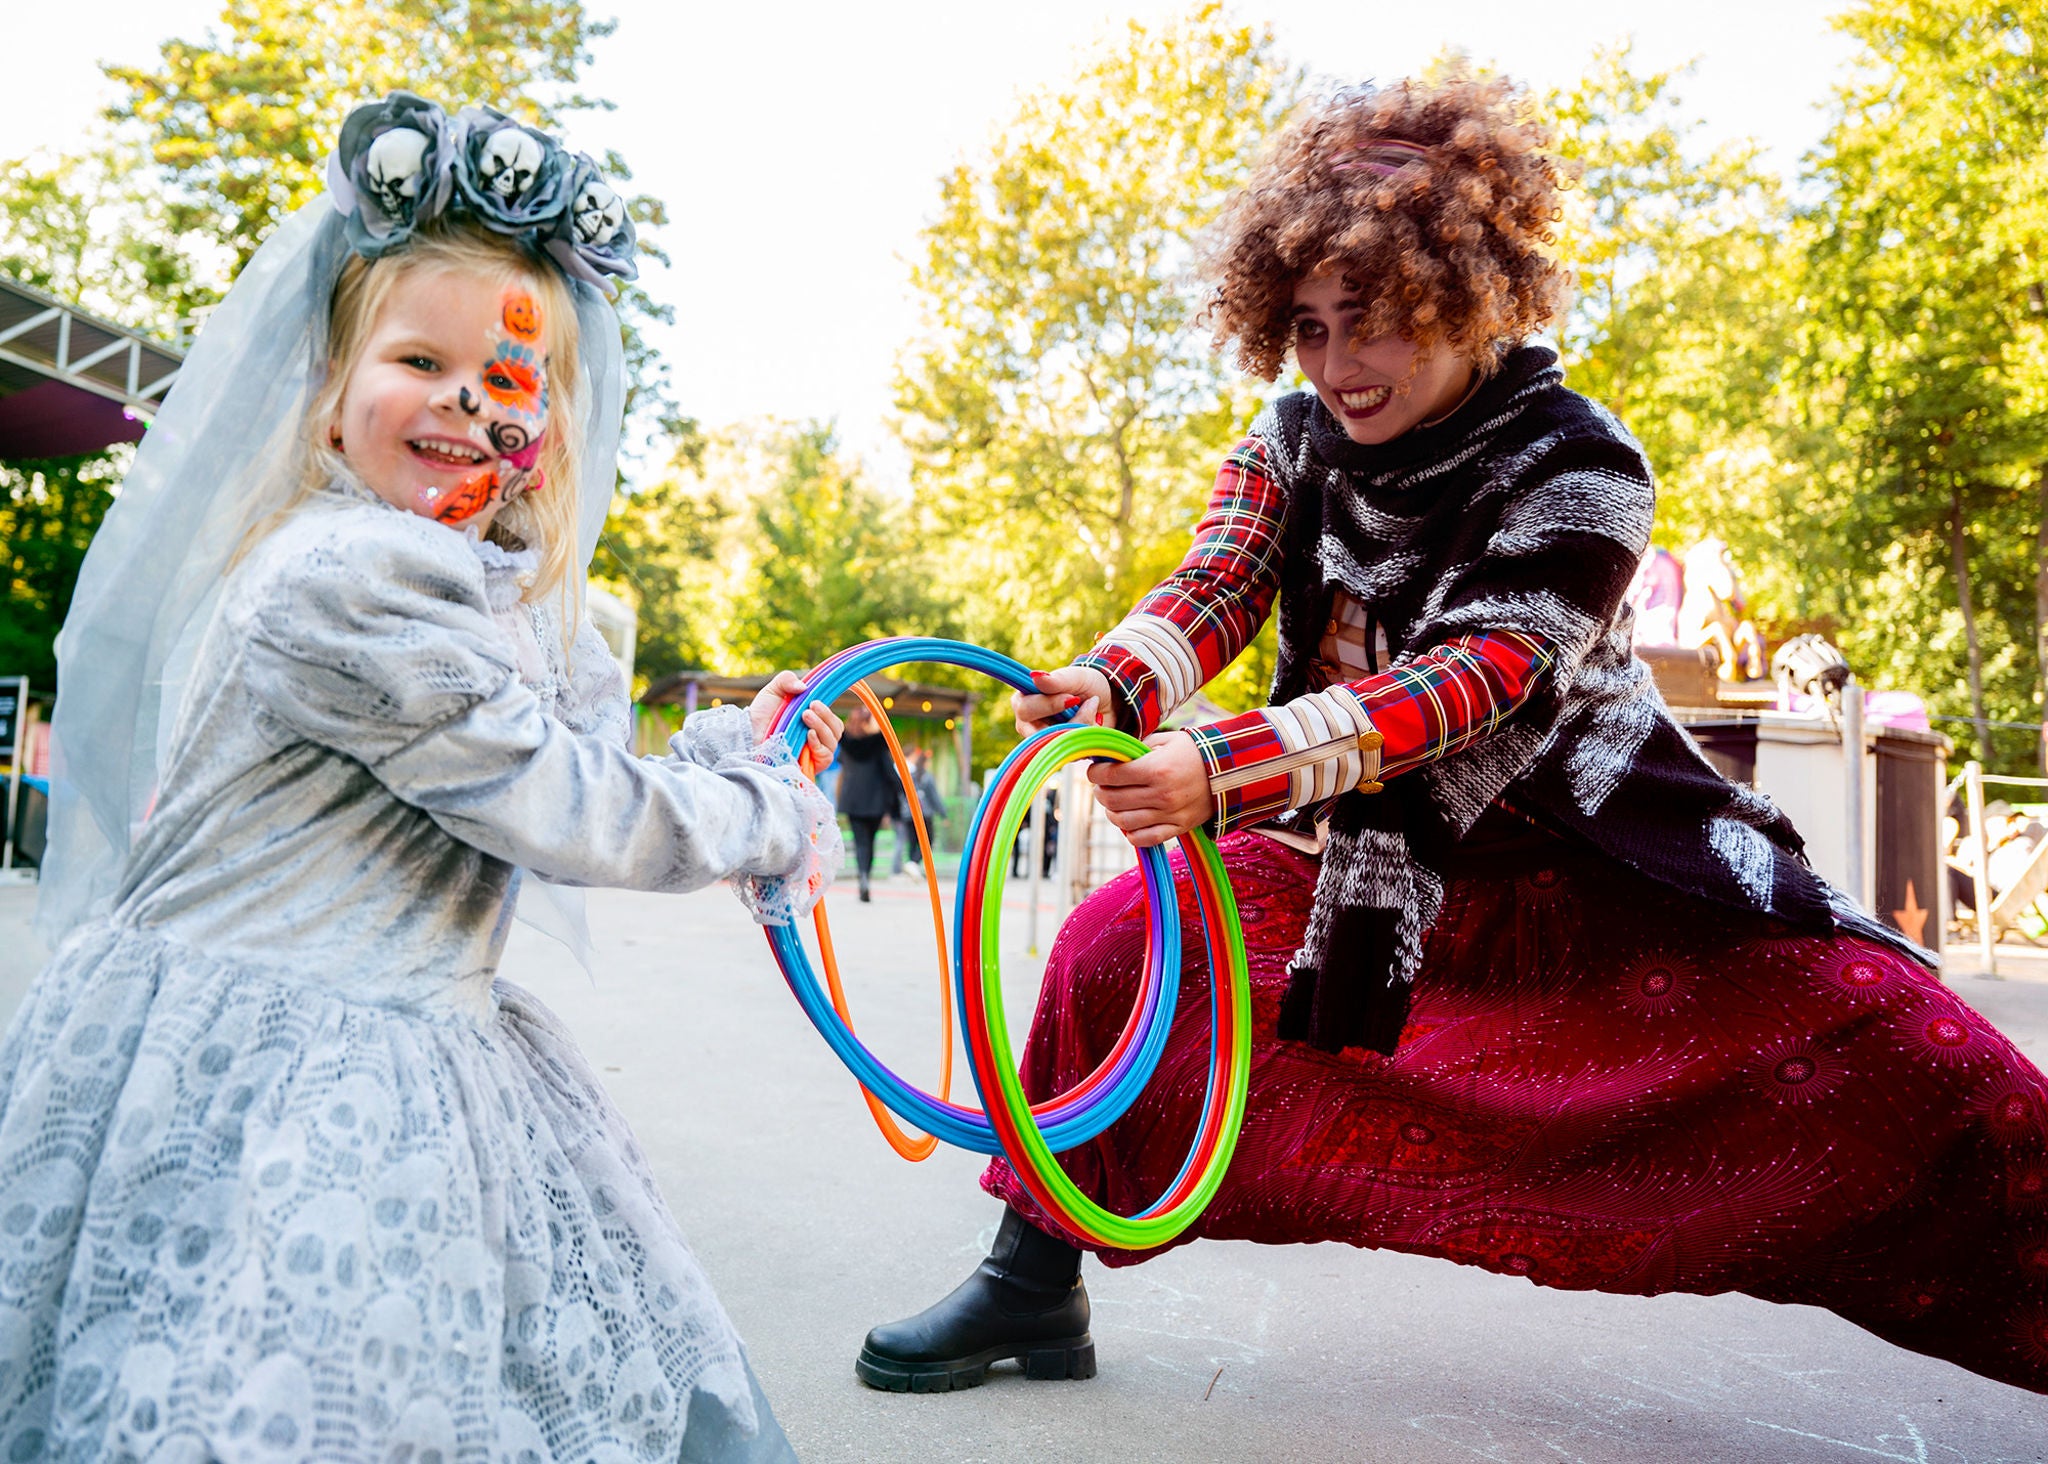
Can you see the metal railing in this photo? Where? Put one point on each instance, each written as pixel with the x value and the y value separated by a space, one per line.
pixel 1977 839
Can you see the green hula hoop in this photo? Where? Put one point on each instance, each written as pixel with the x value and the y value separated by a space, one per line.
pixel 1230 1005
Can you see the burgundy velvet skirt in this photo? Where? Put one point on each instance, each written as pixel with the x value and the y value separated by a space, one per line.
pixel 1603 1084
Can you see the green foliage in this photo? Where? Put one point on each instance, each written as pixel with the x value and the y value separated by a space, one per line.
pixel 239 123
pixel 829 561
pixel 1850 391
pixel 93 229
pixel 1924 337
pixel 661 550
pixel 1682 322
pixel 244 117
pixel 1062 411
pixel 765 547
pixel 49 511
pixel 1686 325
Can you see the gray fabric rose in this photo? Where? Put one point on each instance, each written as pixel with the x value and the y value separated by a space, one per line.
pixel 392 171
pixel 512 178
pixel 595 236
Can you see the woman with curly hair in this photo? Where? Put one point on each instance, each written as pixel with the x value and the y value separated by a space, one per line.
pixel 1534 987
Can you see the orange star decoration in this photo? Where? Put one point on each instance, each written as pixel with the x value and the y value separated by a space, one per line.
pixel 1912 920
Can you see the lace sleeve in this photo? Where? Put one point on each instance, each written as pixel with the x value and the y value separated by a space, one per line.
pixel 719 738
pixel 597 701
pixel 380 647
pixel 786 898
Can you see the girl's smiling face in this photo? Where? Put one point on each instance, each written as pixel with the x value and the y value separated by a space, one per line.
pixel 1378 390
pixel 444 410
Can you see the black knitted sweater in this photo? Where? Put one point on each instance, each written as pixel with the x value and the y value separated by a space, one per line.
pixel 1526 510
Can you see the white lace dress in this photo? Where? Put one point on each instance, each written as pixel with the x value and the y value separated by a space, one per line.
pixel 284 1173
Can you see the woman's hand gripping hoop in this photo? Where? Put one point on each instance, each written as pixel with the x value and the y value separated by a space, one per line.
pixel 1029 1135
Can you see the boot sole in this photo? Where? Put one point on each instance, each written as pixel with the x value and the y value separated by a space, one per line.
pixel 1057 1360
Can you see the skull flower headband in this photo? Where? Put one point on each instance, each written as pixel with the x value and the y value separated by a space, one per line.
pixel 403 162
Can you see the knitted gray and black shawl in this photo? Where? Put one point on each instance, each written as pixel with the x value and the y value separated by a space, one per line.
pixel 1527 510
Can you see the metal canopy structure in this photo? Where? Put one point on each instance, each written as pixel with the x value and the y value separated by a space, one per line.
pixel 71 382
pixel 905 700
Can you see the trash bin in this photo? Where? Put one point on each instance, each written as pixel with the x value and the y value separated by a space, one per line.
pixel 1797 762
pixel 31 821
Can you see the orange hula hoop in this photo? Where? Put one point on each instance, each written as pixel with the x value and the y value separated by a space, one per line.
pixel 919 1148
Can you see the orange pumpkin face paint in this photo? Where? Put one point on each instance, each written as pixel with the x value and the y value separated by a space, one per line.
pixel 522 316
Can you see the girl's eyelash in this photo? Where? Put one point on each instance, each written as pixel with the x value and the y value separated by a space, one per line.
pixel 425 363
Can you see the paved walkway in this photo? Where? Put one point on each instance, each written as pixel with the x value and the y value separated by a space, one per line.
pixel 814 1230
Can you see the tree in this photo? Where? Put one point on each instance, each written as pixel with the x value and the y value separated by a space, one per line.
pixel 662 548
pixel 762 547
pixel 1926 337
pixel 827 561
pixel 92 229
pixel 214 146
pixel 1686 326
pixel 244 118
pixel 1063 410
pixel 240 123
pixel 1682 321
pixel 49 510
pixel 1847 391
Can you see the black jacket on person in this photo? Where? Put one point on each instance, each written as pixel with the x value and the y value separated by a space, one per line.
pixel 1527 510
pixel 868 787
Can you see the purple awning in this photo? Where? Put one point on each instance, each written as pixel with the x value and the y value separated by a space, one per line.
pixel 56 419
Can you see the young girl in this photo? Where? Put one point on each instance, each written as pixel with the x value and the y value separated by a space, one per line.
pixel 1534 988
pixel 284 1173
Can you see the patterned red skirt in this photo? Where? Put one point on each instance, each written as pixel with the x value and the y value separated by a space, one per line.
pixel 1603 1084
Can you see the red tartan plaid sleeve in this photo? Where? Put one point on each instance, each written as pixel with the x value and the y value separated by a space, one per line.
pixel 1197 620
pixel 1263 763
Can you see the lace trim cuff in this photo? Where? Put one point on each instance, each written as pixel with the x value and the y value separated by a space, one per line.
pixel 784 899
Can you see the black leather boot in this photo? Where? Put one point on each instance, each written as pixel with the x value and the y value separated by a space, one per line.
pixel 1025 1301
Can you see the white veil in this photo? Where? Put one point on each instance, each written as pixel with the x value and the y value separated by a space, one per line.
pixel 223 447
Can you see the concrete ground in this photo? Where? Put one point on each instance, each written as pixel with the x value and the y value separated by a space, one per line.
pixel 814 1231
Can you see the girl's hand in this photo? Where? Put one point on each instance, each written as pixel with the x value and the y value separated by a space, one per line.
pixel 824 723
pixel 1058 690
pixel 1159 796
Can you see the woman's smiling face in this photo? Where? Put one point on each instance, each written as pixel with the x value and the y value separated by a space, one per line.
pixel 1369 389
pixel 444 410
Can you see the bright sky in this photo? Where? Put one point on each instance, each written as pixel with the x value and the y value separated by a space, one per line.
pixel 798 145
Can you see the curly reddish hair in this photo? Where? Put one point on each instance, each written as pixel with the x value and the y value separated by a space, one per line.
pixel 1437 199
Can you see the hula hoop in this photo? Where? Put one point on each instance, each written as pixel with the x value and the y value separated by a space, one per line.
pixel 922 1147
pixel 1023 1141
pixel 1029 1135
pixel 1074 1117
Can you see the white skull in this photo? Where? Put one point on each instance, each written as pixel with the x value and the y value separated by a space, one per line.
pixel 510 160
pixel 395 166
pixel 598 214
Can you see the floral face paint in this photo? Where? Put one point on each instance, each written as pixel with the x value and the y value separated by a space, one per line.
pixel 445 411
pixel 514 413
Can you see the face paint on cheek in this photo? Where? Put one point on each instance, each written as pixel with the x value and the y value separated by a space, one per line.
pixel 460 504
pixel 517 446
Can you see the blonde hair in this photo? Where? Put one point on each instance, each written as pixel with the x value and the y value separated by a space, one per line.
pixel 543 520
